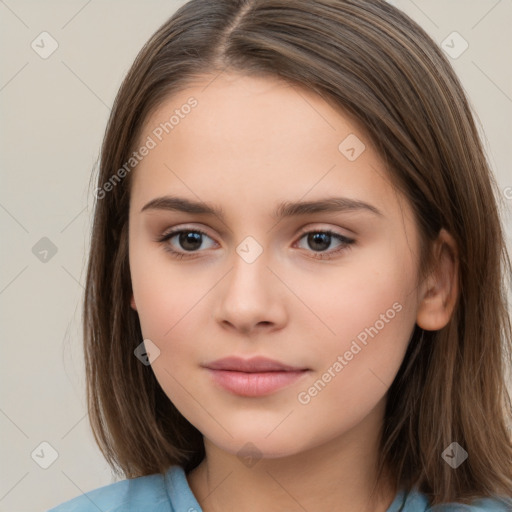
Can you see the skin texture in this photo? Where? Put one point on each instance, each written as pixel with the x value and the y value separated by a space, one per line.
pixel 249 144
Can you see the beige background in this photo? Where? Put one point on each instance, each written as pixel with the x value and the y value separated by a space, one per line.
pixel 53 114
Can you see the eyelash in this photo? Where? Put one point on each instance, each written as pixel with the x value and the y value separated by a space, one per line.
pixel 346 242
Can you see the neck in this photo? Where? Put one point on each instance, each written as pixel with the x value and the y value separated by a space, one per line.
pixel 338 475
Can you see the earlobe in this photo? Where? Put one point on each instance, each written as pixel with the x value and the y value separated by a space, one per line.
pixel 439 292
pixel 132 303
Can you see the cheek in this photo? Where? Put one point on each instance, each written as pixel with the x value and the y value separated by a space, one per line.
pixel 357 370
pixel 371 296
pixel 169 307
pixel 165 294
pixel 371 318
pixel 174 309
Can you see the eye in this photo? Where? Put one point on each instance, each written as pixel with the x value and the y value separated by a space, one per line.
pixel 190 241
pixel 320 239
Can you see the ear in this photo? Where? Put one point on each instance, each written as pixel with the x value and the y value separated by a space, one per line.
pixel 132 303
pixel 439 292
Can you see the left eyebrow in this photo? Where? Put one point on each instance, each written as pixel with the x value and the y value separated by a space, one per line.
pixel 285 209
pixel 332 204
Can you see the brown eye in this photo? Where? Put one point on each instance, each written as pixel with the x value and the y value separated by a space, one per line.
pixel 187 241
pixel 319 241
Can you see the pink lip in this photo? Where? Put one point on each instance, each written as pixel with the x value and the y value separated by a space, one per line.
pixel 257 376
pixel 252 365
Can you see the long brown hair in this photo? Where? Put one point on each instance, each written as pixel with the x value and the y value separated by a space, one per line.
pixel 371 60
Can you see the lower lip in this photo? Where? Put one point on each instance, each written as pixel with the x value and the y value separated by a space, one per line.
pixel 255 384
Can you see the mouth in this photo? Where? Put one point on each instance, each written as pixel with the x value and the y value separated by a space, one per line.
pixel 253 377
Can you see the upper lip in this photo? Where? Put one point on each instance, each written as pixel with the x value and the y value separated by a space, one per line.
pixel 252 365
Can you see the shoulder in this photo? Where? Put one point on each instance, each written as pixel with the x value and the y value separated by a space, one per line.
pixel 128 495
pixel 479 505
pixel 417 502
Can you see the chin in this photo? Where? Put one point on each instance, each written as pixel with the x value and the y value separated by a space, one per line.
pixel 258 447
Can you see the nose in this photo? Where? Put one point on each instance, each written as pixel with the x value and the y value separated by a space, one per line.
pixel 251 298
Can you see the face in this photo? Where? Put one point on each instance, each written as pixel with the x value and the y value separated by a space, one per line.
pixel 329 292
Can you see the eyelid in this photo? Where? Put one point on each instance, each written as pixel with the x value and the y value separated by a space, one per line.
pixel 178 228
pixel 322 227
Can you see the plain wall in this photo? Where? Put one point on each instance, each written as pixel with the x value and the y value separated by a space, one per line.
pixel 53 116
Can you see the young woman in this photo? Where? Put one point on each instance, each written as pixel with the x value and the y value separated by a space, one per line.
pixel 296 294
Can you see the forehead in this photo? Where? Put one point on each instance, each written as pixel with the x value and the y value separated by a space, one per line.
pixel 256 140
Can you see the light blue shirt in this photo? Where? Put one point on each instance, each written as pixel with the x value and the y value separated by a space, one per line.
pixel 171 493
